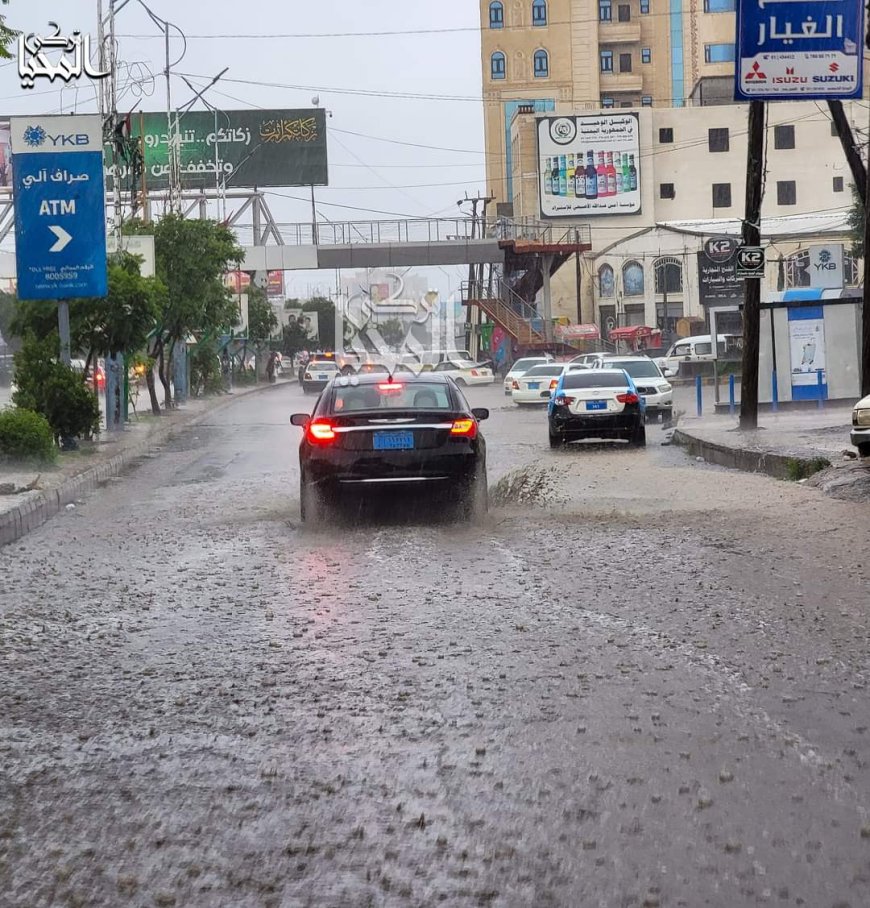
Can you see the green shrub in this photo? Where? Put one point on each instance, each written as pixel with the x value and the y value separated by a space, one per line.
pixel 205 370
pixel 25 435
pixel 56 391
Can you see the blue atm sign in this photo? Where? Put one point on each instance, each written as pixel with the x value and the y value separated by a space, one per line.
pixel 60 209
pixel 799 49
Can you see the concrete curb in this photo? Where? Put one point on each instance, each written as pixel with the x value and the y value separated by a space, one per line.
pixel 40 507
pixel 779 466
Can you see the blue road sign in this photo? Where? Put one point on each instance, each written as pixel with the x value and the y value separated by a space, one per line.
pixel 60 225
pixel 799 49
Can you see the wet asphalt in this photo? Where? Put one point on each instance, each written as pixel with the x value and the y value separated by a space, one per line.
pixel 646 688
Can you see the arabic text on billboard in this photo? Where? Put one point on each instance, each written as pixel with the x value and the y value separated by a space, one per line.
pixel 589 165
pixel 234 148
pixel 799 49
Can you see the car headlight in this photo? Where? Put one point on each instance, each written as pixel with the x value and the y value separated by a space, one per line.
pixel 663 389
pixel 861 417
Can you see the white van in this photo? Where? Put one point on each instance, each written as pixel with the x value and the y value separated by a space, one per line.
pixel 699 349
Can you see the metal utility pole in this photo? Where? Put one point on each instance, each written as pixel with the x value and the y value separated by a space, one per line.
pixel 475 273
pixel 865 305
pixel 752 286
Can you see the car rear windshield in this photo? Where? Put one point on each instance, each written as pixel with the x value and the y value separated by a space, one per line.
pixel 637 368
pixel 575 380
pixel 322 367
pixel 522 365
pixel 544 370
pixel 394 395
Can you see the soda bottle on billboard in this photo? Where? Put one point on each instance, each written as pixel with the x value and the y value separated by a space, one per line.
pixel 580 178
pixel 548 177
pixel 626 174
pixel 591 176
pixel 555 176
pixel 632 173
pixel 601 171
pixel 611 174
pixel 569 176
pixel 563 176
pixel 617 167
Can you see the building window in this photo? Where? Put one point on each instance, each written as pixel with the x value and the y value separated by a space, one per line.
pixel 838 184
pixel 497 65
pixel 644 7
pixel 646 55
pixel 719 6
pixel 666 191
pixel 626 104
pixel 542 65
pixel 668 275
pixel 496 14
pixel 783 136
pixel 718 53
pixel 646 101
pixel 605 11
pixel 718 140
pixel 607 102
pixel 539 12
pixel 721 195
pixel 632 279
pixel 850 270
pixel 666 135
pixel 624 12
pixel 786 192
pixel 607 61
pixel 625 63
pixel 605 281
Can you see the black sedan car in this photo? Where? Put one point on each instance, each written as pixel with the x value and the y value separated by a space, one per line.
pixel 383 434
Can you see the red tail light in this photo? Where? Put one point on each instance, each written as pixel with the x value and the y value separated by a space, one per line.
pixel 553 384
pixel 562 401
pixel 389 386
pixel 515 385
pixel 475 372
pixel 320 432
pixel 464 428
pixel 628 398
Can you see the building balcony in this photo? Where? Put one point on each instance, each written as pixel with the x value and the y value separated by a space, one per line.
pixel 621 83
pixel 619 32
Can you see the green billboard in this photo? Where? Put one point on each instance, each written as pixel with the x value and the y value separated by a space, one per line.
pixel 229 149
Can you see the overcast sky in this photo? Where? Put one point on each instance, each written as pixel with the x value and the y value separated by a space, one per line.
pixel 368 168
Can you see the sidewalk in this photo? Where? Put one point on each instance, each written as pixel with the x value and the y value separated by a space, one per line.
pixel 78 473
pixel 787 445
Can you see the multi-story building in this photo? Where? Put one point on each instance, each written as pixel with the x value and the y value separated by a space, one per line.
pixel 670 65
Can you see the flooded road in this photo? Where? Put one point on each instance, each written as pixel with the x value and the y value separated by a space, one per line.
pixel 641 682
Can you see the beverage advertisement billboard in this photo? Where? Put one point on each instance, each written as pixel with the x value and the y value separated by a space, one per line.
pixel 589 165
pixel 238 149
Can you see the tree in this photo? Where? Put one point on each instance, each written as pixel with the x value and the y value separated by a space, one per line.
pixel 192 259
pixel 856 224
pixel 325 310
pixel 393 332
pixel 8 310
pixel 294 338
pixel 7 36
pixel 262 321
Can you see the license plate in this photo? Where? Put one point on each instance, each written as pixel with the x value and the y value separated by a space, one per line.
pixel 321 377
pixel 534 385
pixel 393 441
pixel 596 404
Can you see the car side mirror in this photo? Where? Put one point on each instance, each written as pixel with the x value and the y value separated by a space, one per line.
pixel 480 413
pixel 300 419
pixel 669 373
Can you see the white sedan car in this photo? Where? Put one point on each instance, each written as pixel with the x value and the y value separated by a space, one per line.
pixel 651 383
pixel 860 436
pixel 534 386
pixel 521 366
pixel 466 372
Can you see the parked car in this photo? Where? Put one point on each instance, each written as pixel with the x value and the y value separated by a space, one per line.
pixel 596 403
pixel 465 372
pixel 860 436
pixel 698 349
pixel 521 366
pixel 653 387
pixel 317 374
pixel 591 360
pixel 536 385
pixel 375 437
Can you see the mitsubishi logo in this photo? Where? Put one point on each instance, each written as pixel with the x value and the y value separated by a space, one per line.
pixel 756 73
